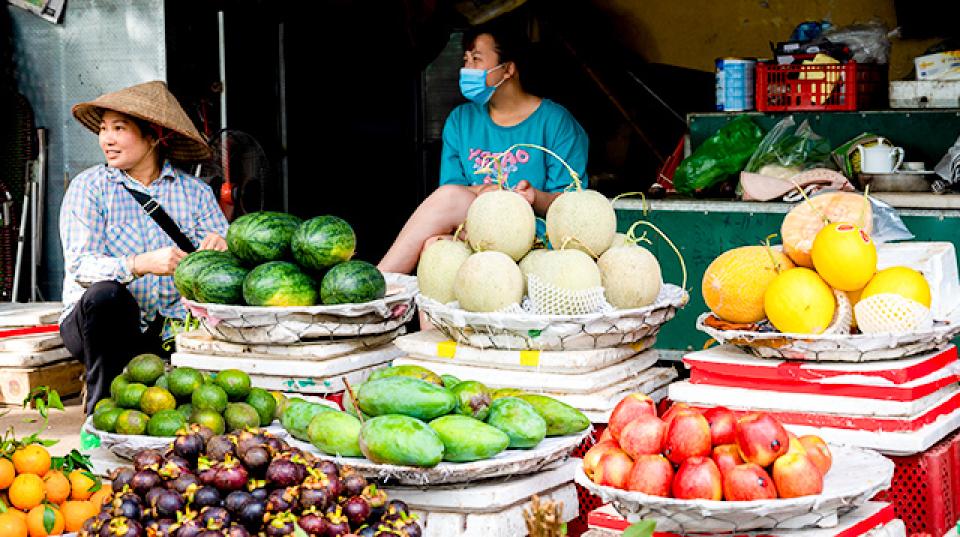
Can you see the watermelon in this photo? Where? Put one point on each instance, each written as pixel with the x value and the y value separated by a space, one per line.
pixel 322 242
pixel 220 283
pixel 279 283
pixel 262 236
pixel 352 282
pixel 185 277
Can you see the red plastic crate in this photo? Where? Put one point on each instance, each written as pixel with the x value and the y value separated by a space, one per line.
pixel 925 491
pixel 827 87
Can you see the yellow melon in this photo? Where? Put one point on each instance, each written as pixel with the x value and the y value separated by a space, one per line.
pixel 804 221
pixel 798 301
pixel 735 282
pixel 903 281
pixel 844 256
pixel 854 298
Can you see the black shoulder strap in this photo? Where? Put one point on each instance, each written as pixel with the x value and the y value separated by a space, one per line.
pixel 153 208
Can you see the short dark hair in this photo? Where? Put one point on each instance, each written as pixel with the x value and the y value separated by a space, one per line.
pixel 509 37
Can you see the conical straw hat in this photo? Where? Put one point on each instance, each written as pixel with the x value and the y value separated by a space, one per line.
pixel 153 102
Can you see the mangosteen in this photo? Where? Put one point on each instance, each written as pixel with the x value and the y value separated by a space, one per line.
pixel 144 480
pixel 188 446
pixel 256 459
pixel 354 484
pixel 207 476
pixel 280 529
pixel 150 498
pixel 338 527
pixel 130 510
pixel 190 528
pixel 121 527
pixel 121 477
pixel 90 527
pixel 206 433
pixel 314 524
pixel 163 527
pixel 283 473
pixel 175 465
pixel 214 518
pixel 183 482
pixel 247 440
pixel 260 493
pixel 168 503
pixel 411 529
pixel 275 445
pixel 206 497
pixel 367 531
pixel 281 500
pixel 375 496
pixel 211 533
pixel 328 467
pixel 219 446
pixel 314 497
pixel 235 501
pixel 148 458
pixel 230 476
pixel 398 506
pixel 251 515
pixel 334 486
pixel 357 510
pixel 237 531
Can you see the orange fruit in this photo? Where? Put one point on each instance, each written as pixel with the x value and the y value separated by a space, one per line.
pixel 57 486
pixel 26 491
pixel 81 485
pixel 17 513
pixel 102 496
pixel 7 472
pixel 12 525
pixel 36 517
pixel 75 513
pixel 33 459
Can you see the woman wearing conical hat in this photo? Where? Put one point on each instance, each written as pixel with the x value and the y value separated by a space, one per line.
pixel 119 254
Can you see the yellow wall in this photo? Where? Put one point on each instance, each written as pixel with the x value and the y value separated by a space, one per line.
pixel 693 33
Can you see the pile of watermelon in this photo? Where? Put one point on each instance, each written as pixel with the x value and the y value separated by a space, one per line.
pixel 277 259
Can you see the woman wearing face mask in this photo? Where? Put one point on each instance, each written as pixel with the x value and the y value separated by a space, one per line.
pixel 119 251
pixel 499 113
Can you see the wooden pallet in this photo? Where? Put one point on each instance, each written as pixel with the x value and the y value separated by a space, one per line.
pixel 31 314
pixel 16 382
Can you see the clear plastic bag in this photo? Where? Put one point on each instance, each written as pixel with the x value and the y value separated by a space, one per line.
pixel 868 42
pixel 887 225
pixel 792 148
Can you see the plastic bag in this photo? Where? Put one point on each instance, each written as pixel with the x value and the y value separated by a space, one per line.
pixel 887 225
pixel 786 147
pixel 720 156
pixel 868 42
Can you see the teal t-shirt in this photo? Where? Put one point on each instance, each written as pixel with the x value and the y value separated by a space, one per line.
pixel 471 139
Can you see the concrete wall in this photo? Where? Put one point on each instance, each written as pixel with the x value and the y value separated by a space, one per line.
pixel 692 33
pixel 101 46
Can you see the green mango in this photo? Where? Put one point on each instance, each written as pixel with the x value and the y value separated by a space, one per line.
pixel 449 381
pixel 347 403
pixel 335 433
pixel 404 395
pixel 401 440
pixel 506 392
pixel 467 439
pixel 562 419
pixel 412 371
pixel 297 416
pixel 516 417
pixel 473 399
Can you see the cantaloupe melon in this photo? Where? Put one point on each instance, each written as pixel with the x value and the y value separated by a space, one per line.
pixel 630 275
pixel 798 301
pixel 438 266
pixel 844 256
pixel 581 219
pixel 501 221
pixel 568 269
pixel 488 281
pixel 735 282
pixel 621 239
pixel 803 222
pixel 529 260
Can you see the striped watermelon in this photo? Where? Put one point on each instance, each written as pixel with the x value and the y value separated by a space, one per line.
pixel 262 236
pixel 185 277
pixel 322 242
pixel 220 283
pixel 352 282
pixel 279 283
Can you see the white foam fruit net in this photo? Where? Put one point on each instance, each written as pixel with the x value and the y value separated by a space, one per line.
pixel 548 299
pixel 842 317
pixel 888 313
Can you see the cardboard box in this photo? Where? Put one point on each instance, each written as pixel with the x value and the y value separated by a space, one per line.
pixel 939 66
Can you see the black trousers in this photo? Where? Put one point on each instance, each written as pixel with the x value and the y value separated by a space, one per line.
pixel 103 331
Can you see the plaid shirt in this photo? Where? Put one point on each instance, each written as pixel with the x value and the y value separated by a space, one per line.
pixel 102 226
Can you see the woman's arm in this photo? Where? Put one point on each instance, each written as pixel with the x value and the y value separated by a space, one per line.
pixel 211 223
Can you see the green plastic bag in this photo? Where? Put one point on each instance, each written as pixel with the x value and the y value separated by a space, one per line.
pixel 720 156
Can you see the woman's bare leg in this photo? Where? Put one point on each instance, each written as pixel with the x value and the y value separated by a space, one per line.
pixel 439 214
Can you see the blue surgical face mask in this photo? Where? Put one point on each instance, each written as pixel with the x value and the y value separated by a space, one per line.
pixel 473 84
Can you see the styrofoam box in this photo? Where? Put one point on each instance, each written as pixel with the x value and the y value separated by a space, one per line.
pixel 925 94
pixel 938 263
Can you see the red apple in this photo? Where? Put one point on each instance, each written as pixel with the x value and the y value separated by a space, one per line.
pixel 631 406
pixel 761 439
pixel 698 479
pixel 818 452
pixel 723 425
pixel 607 435
pixel 688 435
pixel 667 416
pixel 613 469
pixel 726 456
pixel 651 474
pixel 794 444
pixel 643 436
pixel 746 482
pixel 592 456
pixel 796 475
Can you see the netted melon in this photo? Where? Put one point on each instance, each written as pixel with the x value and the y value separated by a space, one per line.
pixel 630 275
pixel 735 282
pixel 531 259
pixel 488 281
pixel 803 222
pixel 438 266
pixel 501 221
pixel 621 239
pixel 582 219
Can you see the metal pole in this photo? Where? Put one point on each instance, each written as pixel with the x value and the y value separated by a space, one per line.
pixel 221 34
pixel 21 235
pixel 36 245
pixel 282 75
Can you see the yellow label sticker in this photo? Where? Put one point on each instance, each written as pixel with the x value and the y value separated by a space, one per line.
pixel 530 358
pixel 638 346
pixel 447 349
